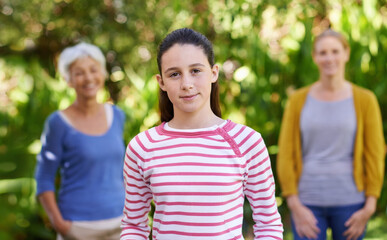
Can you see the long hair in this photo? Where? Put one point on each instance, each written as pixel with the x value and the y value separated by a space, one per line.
pixel 186 36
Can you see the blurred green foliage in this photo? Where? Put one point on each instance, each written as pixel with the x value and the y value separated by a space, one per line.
pixel 263 49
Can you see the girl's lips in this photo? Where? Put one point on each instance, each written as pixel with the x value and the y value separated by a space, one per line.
pixel 188 97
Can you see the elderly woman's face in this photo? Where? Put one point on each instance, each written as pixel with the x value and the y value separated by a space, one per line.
pixel 86 77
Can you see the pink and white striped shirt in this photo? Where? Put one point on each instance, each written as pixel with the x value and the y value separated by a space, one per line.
pixel 198 180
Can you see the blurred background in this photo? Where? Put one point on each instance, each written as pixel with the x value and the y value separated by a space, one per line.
pixel 263 49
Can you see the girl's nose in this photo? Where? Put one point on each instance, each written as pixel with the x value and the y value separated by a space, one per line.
pixel 186 82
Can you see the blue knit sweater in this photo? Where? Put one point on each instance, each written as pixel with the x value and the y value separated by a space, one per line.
pixel 91 168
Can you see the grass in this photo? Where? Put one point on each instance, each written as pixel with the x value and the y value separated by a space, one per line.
pixel 377 228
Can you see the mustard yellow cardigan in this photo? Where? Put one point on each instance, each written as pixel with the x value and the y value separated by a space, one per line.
pixel 369 148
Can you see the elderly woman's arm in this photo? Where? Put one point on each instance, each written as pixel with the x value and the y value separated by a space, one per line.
pixel 48 162
pixel 48 201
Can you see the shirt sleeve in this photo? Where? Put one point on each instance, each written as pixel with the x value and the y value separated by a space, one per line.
pixel 138 197
pixel 49 158
pixel 287 170
pixel 260 192
pixel 374 148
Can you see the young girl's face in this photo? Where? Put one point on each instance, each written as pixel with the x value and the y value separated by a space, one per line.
pixel 186 76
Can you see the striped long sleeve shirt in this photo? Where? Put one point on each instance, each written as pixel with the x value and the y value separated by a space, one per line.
pixel 198 180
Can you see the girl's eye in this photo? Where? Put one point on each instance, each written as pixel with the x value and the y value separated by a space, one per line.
pixel 175 74
pixel 195 71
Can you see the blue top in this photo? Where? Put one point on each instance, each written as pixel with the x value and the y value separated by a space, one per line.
pixel 91 168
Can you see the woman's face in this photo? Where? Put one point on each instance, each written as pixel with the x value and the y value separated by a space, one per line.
pixel 186 76
pixel 86 77
pixel 330 57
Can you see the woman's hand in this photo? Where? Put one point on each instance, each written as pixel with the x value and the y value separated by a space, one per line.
pixel 48 201
pixel 304 219
pixel 305 222
pixel 356 224
pixel 62 226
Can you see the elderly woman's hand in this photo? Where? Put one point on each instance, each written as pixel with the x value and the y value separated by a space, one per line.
pixel 62 226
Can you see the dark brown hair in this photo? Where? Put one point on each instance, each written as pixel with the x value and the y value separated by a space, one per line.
pixel 186 36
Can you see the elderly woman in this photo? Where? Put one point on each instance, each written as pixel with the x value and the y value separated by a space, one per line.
pixel 85 142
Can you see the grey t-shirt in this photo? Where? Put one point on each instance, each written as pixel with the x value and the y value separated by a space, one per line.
pixel 328 130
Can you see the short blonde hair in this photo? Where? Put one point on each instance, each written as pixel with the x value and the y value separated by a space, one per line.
pixel 70 54
pixel 331 33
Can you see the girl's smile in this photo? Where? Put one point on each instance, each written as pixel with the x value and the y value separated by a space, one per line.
pixel 189 97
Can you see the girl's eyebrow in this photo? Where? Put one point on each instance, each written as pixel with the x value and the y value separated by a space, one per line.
pixel 192 65
pixel 197 65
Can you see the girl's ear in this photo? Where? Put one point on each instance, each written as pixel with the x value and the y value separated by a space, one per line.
pixel 160 81
pixel 215 73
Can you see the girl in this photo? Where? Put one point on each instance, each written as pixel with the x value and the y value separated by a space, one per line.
pixel 195 166
pixel 331 149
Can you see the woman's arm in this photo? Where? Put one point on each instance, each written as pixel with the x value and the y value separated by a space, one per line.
pixel 374 148
pixel 48 201
pixel 48 162
pixel 286 164
pixel 304 219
